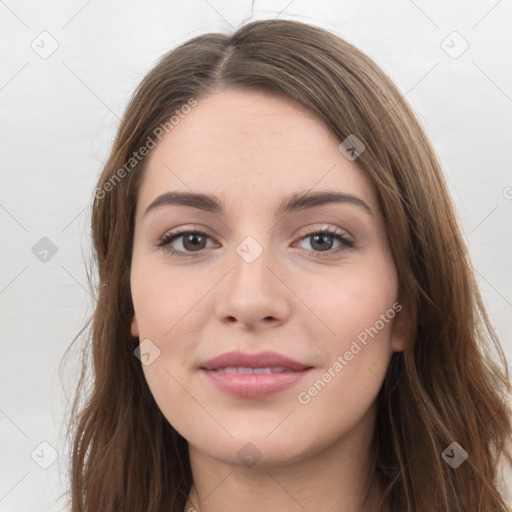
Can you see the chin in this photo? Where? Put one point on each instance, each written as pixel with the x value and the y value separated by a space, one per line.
pixel 255 449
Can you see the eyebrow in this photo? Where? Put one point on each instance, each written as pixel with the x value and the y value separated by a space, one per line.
pixel 294 202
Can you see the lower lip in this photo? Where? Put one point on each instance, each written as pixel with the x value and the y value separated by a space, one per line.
pixel 254 385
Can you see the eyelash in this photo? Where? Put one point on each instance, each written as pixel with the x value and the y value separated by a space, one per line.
pixel 169 237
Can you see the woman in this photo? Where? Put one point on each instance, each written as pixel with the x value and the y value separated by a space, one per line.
pixel 286 316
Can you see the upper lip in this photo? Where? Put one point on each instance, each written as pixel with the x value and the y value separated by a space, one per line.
pixel 267 359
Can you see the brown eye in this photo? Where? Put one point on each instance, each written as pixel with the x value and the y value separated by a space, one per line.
pixel 323 241
pixel 194 241
pixel 190 241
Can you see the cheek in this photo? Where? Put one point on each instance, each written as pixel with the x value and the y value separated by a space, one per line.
pixel 354 301
pixel 169 313
pixel 360 308
pixel 165 300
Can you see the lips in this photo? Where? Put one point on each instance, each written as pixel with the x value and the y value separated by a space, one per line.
pixel 260 360
pixel 253 375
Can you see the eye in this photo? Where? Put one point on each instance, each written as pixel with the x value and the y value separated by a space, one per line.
pixel 322 241
pixel 193 241
pixel 190 240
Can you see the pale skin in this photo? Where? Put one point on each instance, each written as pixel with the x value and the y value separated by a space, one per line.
pixel 251 150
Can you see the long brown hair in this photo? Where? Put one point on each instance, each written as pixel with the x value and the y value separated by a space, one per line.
pixel 444 387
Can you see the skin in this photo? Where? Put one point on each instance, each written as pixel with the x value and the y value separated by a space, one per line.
pixel 251 149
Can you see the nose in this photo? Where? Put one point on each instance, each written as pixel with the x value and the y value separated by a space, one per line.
pixel 252 294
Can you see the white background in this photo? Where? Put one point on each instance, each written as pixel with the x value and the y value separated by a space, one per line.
pixel 58 118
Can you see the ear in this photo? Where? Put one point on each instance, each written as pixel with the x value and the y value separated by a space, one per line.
pixel 403 322
pixel 398 343
pixel 398 334
pixel 134 327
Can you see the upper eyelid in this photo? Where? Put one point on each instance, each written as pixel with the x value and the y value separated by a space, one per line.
pixel 302 232
pixel 328 228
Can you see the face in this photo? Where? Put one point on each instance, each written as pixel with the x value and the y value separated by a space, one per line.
pixel 298 298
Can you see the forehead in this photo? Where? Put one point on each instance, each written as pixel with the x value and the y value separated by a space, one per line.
pixel 251 148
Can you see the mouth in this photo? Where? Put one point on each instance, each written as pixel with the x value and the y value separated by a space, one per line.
pixel 245 370
pixel 253 376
